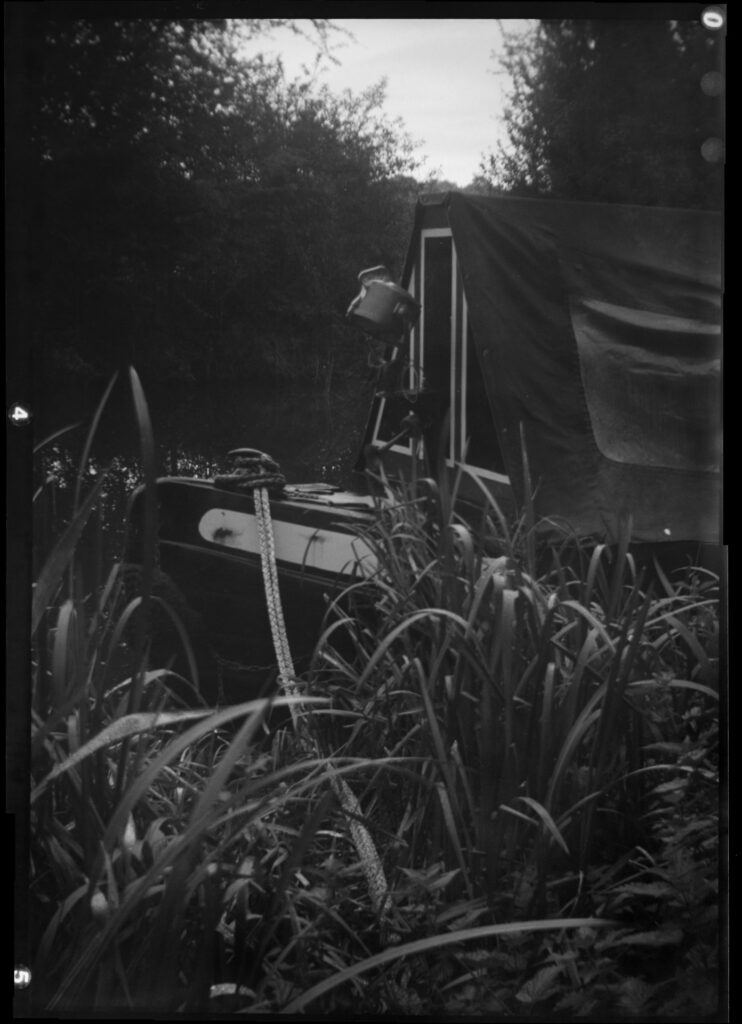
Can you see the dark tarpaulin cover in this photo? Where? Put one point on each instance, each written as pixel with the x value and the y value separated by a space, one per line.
pixel 598 327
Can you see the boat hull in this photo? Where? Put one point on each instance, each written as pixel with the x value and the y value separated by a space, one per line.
pixel 210 568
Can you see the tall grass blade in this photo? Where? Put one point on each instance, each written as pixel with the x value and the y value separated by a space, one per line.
pixel 488 754
pixel 491 502
pixel 630 640
pixel 530 511
pixel 506 625
pixel 595 567
pixel 450 823
pixel 209 797
pixel 435 942
pixel 595 623
pixel 443 765
pixel 442 471
pixel 90 438
pixel 63 653
pixel 53 437
pixel 183 636
pixel 589 651
pixel 662 577
pixel 549 823
pixel 617 577
pixel 105 599
pixel 146 436
pixel 257 709
pixel 547 727
pixel 163 974
pixel 51 574
pixel 464 779
pixel 419 616
pixel 292 863
pixel 693 645
pixel 137 891
pixel 50 932
pixel 149 526
pixel 679 684
pixel 589 715
pixel 656 619
pixel 610 731
pixel 117 636
pixel 129 725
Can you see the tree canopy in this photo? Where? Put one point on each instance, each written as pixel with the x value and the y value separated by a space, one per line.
pixel 191 210
pixel 613 111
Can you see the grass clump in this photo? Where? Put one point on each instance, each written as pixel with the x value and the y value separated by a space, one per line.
pixel 150 820
pixel 532 732
pixel 558 705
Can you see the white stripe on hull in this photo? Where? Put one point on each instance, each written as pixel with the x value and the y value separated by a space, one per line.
pixel 325 550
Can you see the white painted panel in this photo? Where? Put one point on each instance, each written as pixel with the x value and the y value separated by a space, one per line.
pixel 325 550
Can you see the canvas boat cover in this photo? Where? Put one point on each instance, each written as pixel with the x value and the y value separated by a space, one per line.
pixel 598 328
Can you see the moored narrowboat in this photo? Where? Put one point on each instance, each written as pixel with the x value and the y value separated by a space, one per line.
pixel 588 333
pixel 580 340
pixel 210 570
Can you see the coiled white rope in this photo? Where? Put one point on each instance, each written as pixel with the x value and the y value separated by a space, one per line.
pixel 364 844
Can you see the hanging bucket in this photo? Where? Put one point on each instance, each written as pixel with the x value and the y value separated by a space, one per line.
pixel 382 309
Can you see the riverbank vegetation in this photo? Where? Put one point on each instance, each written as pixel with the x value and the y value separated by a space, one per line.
pixel 191 209
pixel 531 731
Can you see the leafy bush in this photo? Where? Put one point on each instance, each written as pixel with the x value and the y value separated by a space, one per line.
pixel 531 731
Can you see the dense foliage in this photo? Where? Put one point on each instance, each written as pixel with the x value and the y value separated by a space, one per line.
pixel 189 208
pixel 532 740
pixel 613 110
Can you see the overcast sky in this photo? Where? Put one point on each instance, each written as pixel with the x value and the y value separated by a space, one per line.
pixel 439 75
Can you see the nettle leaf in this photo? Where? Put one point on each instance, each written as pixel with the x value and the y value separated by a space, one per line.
pixel 654 939
pixel 657 889
pixel 442 882
pixel 671 787
pixel 476 957
pixel 611 939
pixel 577 1002
pixel 634 994
pixel 508 961
pixel 666 748
pixel 541 985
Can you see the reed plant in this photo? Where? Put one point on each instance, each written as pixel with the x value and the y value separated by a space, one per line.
pixel 545 691
pixel 531 729
pixel 157 826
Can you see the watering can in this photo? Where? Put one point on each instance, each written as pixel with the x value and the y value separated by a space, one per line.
pixel 382 308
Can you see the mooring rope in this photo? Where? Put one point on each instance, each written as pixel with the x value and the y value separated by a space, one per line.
pixel 251 469
pixel 364 844
pixel 286 671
